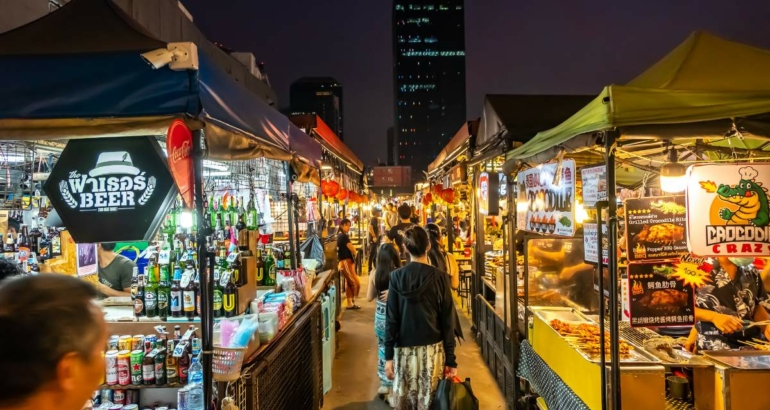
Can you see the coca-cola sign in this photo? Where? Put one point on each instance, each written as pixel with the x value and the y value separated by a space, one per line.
pixel 180 161
pixel 111 189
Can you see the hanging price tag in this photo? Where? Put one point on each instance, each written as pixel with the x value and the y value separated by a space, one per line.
pixel 232 257
pixel 185 257
pixel 187 276
pixel 225 279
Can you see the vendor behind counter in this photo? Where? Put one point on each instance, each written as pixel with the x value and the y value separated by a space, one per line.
pixel 565 258
pixel 115 271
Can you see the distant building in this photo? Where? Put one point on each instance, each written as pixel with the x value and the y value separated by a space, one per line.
pixel 429 78
pixel 391 159
pixel 321 96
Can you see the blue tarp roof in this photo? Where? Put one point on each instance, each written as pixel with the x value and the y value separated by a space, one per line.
pixel 83 81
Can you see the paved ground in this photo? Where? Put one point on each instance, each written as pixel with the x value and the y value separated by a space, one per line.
pixel 354 379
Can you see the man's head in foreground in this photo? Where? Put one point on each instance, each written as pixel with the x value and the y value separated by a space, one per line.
pixel 51 349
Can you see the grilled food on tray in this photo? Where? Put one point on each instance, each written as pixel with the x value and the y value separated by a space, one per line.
pixel 663 234
pixel 670 300
pixel 585 337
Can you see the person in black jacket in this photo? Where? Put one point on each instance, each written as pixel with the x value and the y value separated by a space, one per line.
pixel 419 328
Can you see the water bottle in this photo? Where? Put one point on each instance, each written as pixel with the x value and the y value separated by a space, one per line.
pixel 195 386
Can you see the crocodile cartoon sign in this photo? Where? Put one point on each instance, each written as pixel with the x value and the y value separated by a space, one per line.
pixel 728 212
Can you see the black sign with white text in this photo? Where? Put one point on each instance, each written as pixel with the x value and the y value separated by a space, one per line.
pixel 111 189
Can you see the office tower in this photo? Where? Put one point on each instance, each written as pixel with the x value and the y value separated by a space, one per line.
pixel 429 78
pixel 321 96
pixel 391 138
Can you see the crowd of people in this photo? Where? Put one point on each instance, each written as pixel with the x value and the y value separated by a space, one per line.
pixel 411 281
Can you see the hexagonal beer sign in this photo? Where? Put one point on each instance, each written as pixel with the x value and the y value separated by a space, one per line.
pixel 111 189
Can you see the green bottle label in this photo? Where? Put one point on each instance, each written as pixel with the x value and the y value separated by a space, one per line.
pixel 217 300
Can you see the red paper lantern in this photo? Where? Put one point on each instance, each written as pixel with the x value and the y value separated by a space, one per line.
pixel 427 199
pixel 334 188
pixel 438 188
pixel 448 195
pixel 342 194
pixel 325 188
pixel 352 197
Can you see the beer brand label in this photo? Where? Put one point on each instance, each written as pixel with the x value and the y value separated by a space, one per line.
pixel 189 301
pixel 250 219
pixel 229 302
pixel 150 301
pixel 272 272
pixel 231 257
pixel 260 273
pixel 159 370
pixel 162 300
pixel 138 306
pixel 148 372
pixel 176 306
pixel 164 257
pixel 119 397
pixel 217 300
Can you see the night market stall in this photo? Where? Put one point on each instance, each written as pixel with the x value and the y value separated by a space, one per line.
pixel 666 169
pixel 84 125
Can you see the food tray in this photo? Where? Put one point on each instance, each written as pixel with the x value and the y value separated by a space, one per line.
pixel 741 359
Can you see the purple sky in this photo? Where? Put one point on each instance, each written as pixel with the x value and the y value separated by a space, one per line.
pixel 526 47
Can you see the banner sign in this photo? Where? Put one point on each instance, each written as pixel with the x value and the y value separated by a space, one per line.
pixel 111 189
pixel 549 201
pixel 657 297
pixel 656 228
pixel 594 180
pixel 728 210
pixel 489 194
pixel 591 244
pixel 179 145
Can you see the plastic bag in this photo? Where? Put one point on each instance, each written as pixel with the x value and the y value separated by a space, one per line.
pixel 312 248
pixel 452 394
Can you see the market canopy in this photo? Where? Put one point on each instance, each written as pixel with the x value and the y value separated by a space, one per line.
pixel 93 82
pixel 721 85
pixel 329 140
pixel 455 145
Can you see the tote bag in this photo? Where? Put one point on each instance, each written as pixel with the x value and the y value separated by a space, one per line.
pixel 452 394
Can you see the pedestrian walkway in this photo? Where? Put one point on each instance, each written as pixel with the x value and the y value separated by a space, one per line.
pixel 354 378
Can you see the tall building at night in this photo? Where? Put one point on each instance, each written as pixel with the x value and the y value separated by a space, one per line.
pixel 321 96
pixel 429 78
pixel 391 147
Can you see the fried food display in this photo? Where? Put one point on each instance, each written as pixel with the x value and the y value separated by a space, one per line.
pixel 585 337
pixel 663 234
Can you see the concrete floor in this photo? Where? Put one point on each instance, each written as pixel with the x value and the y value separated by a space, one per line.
pixel 354 377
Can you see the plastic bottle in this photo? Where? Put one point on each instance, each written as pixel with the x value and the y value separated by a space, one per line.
pixel 195 386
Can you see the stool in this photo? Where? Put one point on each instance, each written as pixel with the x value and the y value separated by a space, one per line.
pixel 464 290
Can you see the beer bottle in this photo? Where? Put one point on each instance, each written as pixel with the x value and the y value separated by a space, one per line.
pixel 239 271
pixel 151 292
pixel 269 278
pixel 234 212
pixel 160 363
pixel 221 213
pixel 260 269
pixel 212 212
pixel 177 333
pixel 230 295
pixel 217 305
pixel 163 293
pixel 183 363
pixel 188 292
pixel 139 305
pixel 172 364
pixel 55 243
pixel 251 215
pixel 287 258
pixel 148 364
pixel 197 289
pixel 175 294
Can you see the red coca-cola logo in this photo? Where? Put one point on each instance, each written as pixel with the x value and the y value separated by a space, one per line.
pixel 179 146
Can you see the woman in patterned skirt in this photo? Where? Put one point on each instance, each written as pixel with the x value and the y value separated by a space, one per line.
pixel 419 327
pixel 388 260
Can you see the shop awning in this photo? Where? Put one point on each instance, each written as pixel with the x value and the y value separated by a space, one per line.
pixel 92 81
pixel 704 80
pixel 455 145
pixel 329 140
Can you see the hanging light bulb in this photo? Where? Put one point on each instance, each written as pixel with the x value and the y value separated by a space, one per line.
pixel 580 213
pixel 673 176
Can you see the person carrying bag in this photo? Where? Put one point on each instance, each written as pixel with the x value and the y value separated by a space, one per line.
pixel 453 394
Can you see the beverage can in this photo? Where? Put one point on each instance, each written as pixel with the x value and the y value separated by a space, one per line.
pixel 119 397
pixel 132 397
pixel 111 363
pixel 124 342
pixel 116 407
pixel 112 343
pixel 152 339
pixel 131 406
pixel 124 366
pixel 137 356
pixel 181 397
pixel 106 396
pixel 137 342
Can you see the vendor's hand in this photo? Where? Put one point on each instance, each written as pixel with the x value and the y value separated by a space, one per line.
pixel 727 323
pixel 450 372
pixel 691 346
pixel 389 373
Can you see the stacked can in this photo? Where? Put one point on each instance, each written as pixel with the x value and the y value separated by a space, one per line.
pixel 124 367
pixel 124 342
pixel 137 342
pixel 136 367
pixel 111 363
pixel 119 397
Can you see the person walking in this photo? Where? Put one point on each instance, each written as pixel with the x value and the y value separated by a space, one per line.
pixel 440 258
pixel 347 265
pixel 396 233
pixel 419 327
pixel 374 239
pixel 388 260
pixel 52 343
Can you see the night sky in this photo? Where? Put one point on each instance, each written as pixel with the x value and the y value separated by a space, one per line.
pixel 525 47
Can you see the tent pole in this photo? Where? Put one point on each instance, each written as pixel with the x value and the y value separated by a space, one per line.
pixel 513 276
pixel 206 286
pixel 290 215
pixel 612 223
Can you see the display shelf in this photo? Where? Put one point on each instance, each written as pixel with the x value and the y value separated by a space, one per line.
pixel 141 386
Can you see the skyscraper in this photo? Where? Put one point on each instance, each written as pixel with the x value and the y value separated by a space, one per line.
pixel 429 77
pixel 321 96
pixel 391 147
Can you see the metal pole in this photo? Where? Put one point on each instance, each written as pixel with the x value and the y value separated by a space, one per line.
pixel 450 231
pixel 290 214
pixel 602 349
pixel 514 287
pixel 206 286
pixel 611 137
